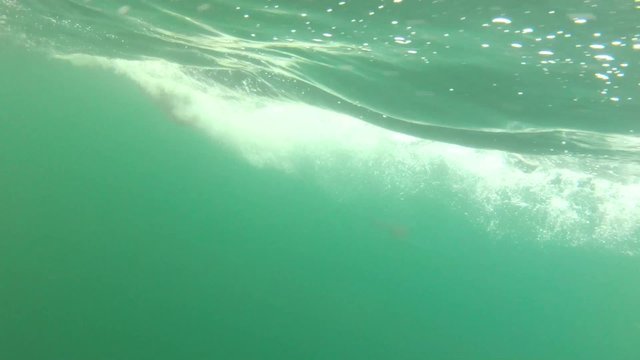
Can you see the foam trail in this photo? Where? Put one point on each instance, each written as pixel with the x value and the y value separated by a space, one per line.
pixel 562 197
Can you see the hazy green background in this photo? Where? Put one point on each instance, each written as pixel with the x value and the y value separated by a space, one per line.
pixel 126 235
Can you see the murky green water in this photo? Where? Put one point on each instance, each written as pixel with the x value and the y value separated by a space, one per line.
pixel 319 180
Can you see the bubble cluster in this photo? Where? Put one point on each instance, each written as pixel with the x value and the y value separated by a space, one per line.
pixel 299 84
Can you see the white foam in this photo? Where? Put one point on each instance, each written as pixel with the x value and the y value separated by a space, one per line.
pixel 560 198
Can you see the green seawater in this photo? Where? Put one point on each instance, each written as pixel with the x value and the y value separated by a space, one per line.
pixel 319 180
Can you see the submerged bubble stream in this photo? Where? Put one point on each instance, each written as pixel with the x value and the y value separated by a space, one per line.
pixel 582 200
pixel 527 116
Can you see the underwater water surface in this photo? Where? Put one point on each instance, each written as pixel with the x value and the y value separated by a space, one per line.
pixel 319 179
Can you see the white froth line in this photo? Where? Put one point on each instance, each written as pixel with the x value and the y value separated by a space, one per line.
pixel 281 134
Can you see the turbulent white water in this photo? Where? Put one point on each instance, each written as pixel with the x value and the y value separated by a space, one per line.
pixel 303 95
pixel 579 201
